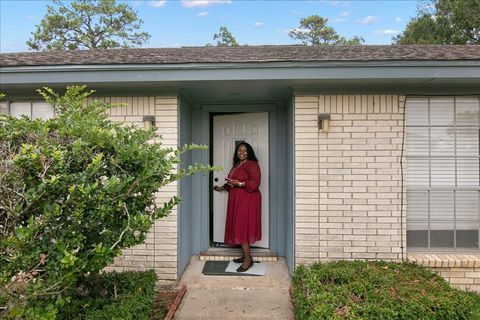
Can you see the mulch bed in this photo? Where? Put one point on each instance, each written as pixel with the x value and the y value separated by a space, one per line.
pixel 167 301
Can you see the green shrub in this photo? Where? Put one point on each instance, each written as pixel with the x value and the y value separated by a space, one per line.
pixel 74 191
pixel 378 290
pixel 126 295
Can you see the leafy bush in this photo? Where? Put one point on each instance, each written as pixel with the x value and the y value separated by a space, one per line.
pixel 126 295
pixel 74 191
pixel 378 290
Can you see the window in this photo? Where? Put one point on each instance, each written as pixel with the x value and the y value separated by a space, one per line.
pixel 34 110
pixel 443 176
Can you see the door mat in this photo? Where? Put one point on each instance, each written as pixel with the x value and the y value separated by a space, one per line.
pixel 228 268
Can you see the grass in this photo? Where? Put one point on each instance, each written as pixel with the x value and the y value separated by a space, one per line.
pixel 378 290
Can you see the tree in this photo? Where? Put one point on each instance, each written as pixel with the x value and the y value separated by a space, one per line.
pixel 444 22
pixel 74 191
pixel 225 38
pixel 88 24
pixel 314 30
pixel 356 40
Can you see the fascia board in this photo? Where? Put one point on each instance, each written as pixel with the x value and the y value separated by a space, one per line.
pixel 228 72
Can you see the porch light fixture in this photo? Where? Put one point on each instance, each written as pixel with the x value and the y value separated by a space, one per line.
pixel 324 122
pixel 148 122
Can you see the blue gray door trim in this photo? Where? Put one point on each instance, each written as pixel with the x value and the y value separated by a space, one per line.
pixel 277 174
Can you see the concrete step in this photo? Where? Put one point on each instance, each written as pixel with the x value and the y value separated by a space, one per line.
pixel 225 254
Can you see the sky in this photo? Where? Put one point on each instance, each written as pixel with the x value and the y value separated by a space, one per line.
pixel 176 23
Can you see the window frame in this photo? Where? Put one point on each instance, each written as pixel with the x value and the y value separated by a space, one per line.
pixel 455 189
pixel 31 102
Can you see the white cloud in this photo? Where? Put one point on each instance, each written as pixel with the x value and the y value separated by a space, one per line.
pixel 368 20
pixel 297 30
pixel 157 3
pixel 202 3
pixel 29 17
pixel 342 17
pixel 202 14
pixel 296 12
pixel 259 24
pixel 398 19
pixel 386 32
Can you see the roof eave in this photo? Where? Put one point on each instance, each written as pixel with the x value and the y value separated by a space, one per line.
pixel 468 70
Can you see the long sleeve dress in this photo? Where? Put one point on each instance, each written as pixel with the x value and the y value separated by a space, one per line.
pixel 244 208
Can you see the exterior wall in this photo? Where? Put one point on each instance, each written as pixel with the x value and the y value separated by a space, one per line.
pixel 3 107
pixel 348 181
pixel 159 252
pixel 462 271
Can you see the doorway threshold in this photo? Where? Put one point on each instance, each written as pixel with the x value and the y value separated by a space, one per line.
pixel 225 254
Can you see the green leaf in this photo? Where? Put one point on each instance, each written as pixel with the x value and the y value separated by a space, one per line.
pixel 21 232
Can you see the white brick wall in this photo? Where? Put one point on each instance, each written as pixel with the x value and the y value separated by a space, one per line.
pixel 348 181
pixel 159 252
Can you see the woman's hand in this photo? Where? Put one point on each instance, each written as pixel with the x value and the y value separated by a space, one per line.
pixel 234 183
pixel 217 188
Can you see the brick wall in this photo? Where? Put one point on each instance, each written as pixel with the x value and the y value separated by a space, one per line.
pixel 461 270
pixel 348 181
pixel 159 252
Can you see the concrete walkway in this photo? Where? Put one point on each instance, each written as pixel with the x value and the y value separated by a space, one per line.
pixel 235 297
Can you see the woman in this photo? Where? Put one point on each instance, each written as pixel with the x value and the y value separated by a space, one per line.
pixel 243 225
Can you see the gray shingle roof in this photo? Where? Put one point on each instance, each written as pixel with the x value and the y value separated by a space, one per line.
pixel 243 54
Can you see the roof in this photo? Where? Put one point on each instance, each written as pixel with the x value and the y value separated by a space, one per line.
pixel 242 54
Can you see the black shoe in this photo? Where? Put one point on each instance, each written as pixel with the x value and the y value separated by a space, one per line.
pixel 241 269
pixel 239 260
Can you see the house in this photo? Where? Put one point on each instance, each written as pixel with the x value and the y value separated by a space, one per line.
pixel 367 152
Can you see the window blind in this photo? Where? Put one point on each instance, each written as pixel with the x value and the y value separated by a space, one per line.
pixel 442 172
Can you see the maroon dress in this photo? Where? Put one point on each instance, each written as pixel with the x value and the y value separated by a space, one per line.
pixel 244 208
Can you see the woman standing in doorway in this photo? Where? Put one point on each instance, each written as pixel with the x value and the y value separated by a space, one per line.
pixel 244 209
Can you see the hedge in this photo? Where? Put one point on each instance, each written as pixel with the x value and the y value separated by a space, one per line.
pixel 378 290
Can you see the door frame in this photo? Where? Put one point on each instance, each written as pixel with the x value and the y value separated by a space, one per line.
pixel 265 192
pixel 201 131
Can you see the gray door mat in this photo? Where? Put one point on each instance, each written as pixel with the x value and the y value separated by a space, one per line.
pixel 217 268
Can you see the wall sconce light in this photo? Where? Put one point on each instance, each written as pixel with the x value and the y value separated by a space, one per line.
pixel 324 122
pixel 148 122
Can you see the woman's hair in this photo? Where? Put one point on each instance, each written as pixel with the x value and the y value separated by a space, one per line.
pixel 250 153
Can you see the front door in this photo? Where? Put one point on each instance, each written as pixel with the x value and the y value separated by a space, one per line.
pixel 228 131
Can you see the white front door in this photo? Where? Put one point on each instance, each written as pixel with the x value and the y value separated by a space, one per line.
pixel 228 131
